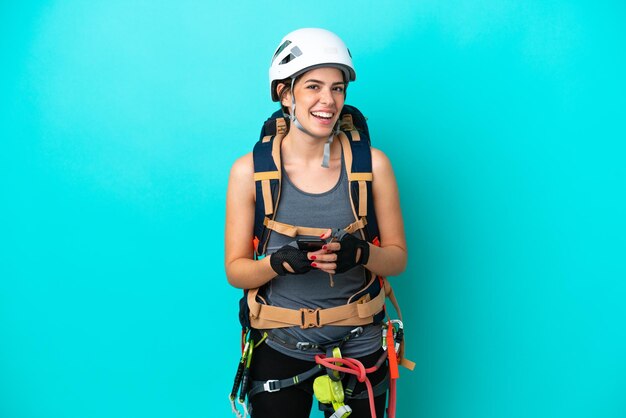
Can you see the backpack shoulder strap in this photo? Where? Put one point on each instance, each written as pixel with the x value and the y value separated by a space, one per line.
pixel 267 177
pixel 358 160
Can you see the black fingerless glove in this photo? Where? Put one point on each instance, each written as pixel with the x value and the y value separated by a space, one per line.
pixel 347 255
pixel 295 258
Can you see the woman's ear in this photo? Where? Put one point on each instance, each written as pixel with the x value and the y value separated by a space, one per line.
pixel 286 99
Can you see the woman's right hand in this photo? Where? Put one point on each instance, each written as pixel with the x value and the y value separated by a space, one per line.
pixel 341 255
pixel 290 260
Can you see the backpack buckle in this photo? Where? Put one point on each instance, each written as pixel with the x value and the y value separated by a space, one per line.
pixel 309 318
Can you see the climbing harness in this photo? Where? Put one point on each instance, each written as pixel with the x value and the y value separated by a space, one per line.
pixel 328 388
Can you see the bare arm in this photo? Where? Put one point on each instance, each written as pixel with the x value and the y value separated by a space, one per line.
pixel 390 258
pixel 241 269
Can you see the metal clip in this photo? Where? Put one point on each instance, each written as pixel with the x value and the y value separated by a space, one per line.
pixel 236 411
pixel 245 409
pixel 301 345
pixel 355 333
pixel 398 333
pixel 267 386
pixel 342 411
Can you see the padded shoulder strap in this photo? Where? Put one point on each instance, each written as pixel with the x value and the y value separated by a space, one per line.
pixel 358 158
pixel 267 176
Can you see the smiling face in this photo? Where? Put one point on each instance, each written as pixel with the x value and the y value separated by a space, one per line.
pixel 320 95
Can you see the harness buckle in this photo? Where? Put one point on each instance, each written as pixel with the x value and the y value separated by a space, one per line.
pixel 309 318
pixel 268 386
pixel 302 345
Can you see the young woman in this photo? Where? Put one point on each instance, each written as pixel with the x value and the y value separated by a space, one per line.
pixel 309 75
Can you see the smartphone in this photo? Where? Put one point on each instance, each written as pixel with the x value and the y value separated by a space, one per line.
pixel 310 244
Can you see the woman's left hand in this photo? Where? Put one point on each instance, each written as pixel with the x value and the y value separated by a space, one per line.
pixel 333 259
pixel 325 258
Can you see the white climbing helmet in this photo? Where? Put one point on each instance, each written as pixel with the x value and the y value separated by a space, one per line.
pixel 305 49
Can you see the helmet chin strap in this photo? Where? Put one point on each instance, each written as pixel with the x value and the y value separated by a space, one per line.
pixel 326 159
pixel 296 122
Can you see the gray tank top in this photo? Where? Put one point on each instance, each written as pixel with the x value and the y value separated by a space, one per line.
pixel 331 209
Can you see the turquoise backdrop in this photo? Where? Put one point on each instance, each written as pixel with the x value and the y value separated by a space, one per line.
pixel 119 122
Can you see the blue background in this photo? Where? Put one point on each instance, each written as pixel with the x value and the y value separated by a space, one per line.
pixel 120 120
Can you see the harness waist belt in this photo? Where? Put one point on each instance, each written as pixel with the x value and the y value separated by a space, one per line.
pixel 360 312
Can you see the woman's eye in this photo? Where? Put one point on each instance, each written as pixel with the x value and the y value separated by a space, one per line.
pixel 312 86
pixel 339 89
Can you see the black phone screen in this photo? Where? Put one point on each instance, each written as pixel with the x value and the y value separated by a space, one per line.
pixel 310 244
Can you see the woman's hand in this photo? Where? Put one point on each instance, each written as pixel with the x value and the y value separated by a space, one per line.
pixel 325 258
pixel 290 260
pixel 340 256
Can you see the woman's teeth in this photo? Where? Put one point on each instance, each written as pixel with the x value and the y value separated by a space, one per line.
pixel 323 115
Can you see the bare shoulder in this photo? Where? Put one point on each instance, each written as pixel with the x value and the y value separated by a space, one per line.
pixel 241 180
pixel 243 168
pixel 380 162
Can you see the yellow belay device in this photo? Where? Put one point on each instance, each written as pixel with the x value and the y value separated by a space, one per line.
pixel 330 390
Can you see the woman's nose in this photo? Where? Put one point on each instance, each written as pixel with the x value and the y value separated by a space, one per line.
pixel 326 96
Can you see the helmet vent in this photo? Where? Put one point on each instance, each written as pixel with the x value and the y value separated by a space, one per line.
pixel 287 59
pixel 281 48
pixel 295 53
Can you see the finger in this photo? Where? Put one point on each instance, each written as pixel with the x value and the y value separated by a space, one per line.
pixel 326 234
pixel 326 270
pixel 316 254
pixel 333 246
pixel 323 257
pixel 325 266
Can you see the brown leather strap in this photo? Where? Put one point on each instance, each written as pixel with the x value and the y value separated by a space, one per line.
pixel 281 126
pixel 355 226
pixel 264 177
pixel 347 152
pixel 361 177
pixel 360 312
pixel 362 199
pixel 346 123
pixel 294 230
pixel 267 175
pixel 267 197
